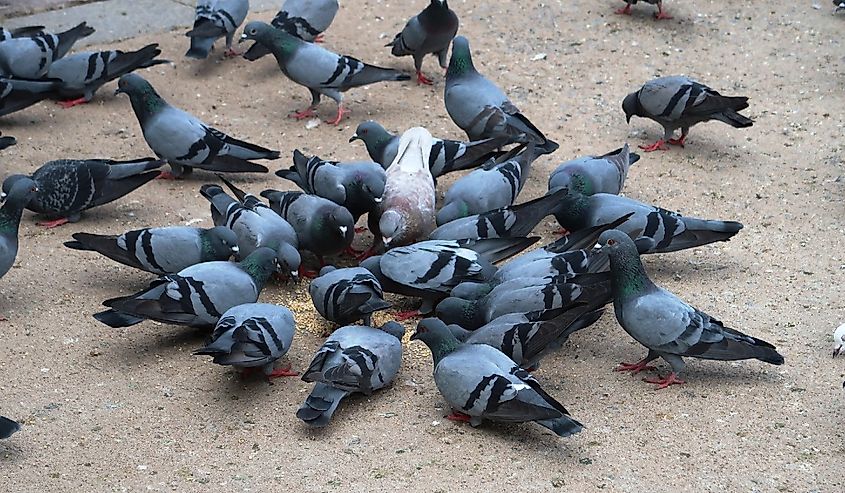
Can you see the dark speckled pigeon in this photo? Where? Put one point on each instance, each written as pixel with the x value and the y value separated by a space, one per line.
pixel 480 382
pixel 8 427
pixel 29 57
pixel 595 174
pixel 305 19
pixel 344 296
pixel 430 31
pixel 353 359
pixel 20 194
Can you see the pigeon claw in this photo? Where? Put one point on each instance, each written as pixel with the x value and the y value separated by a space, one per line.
pixel 662 383
pixel 634 368
pixel 402 316
pixel 54 223
pixel 283 372
pixel 231 53
pixel 423 80
pixel 70 103
pixel 660 14
pixel 301 115
pixel 459 417
pixel 166 175
pixel 660 145
pixel 341 112
pixel 319 38
pixel 678 141
pixel 624 11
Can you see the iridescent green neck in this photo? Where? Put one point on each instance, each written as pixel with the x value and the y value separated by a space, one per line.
pixel 258 269
pixel 460 63
pixel 581 184
pixel 443 346
pixel 146 102
pixel 628 275
pixel 572 209
pixel 280 43
pixel 10 218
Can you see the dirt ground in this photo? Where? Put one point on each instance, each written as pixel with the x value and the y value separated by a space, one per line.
pixel 132 409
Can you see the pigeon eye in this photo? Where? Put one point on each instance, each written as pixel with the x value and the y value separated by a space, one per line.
pixel 611 242
pixel 253 31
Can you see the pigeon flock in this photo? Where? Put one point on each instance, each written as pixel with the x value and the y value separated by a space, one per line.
pixel 492 310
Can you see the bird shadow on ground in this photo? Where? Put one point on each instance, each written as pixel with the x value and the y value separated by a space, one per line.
pixel 526 437
pixel 667 266
pixel 10 453
pixel 142 347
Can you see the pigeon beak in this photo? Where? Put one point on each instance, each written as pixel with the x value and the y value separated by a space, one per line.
pixel 353 138
pixel 387 240
pixel 414 336
pixel 242 38
pixel 596 249
pixel 235 249
pixel 343 230
pixel 628 119
pixel 837 351
pixel 2 195
pixel 119 90
pixel 294 275
pixel 377 200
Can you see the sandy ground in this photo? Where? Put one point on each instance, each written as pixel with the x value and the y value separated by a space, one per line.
pixel 132 410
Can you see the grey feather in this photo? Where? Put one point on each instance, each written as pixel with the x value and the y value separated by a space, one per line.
pixel 595 174
pixel 344 296
pixel 322 227
pixel 30 57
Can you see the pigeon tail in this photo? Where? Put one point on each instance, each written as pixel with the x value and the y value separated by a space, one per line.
pixel 734 119
pixel 126 62
pixel 319 406
pixel 8 427
pixel 71 36
pixel 371 74
pixel 563 426
pixel 116 319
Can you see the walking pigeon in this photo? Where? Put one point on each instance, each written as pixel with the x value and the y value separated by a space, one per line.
pixel 212 20
pixel 659 15
pixel 8 427
pixel 67 187
pixel 481 109
pixel 305 19
pixel 430 31
pixel 323 72
pixel 353 359
pixel 30 57
pixel 667 326
pixel 197 296
pixel 595 174
pixel 16 199
pixel 680 102
pixel 251 336
pixel 344 296
pixel 161 251
pixel 480 382
pixel 17 94
pixel 185 141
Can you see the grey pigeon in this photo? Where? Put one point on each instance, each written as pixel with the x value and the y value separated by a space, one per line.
pixel 67 187
pixel 344 296
pixel 254 230
pixel 446 155
pixel 82 74
pixel 680 102
pixel 17 94
pixel 481 109
pixel 20 32
pixel 8 427
pixel 358 186
pixel 667 231
pixel 305 19
pixel 251 336
pixel 185 141
pixel 353 359
pixel 322 227
pixel 595 174
pixel 15 199
pixel 659 15
pixel 197 296
pixel 523 295
pixel 214 19
pixel 7 141
pixel 495 185
pixel 323 72
pixel 165 250
pixel 407 207
pixel 430 31
pixel 480 382
pixel 667 326
pixel 30 57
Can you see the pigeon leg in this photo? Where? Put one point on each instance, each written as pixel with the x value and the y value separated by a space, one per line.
pixel 459 417
pixel 635 368
pixel 624 11
pixel 301 115
pixel 231 53
pixel 309 274
pixel 70 103
pixel 679 141
pixel 341 112
pixel 422 79
pixel 166 175
pixel 54 223
pixel 660 145
pixel 402 316
pixel 662 383
pixel 283 372
pixel 660 14
pixel 319 38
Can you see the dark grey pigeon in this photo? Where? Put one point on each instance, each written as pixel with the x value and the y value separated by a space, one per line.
pixel 323 72
pixel 7 141
pixel 67 187
pixel 305 19
pixel 252 336
pixel 165 250
pixel 8 427
pixel 446 155
pixel 358 185
pixel 185 141
pixel 481 109
pixel 344 296
pixel 20 32
pixel 430 31
pixel 29 57
pixel 214 19
pixel 667 326
pixel 496 184
pixel 680 102
pixel 480 382
pixel 322 227
pixel 523 295
pixel 353 359
pixel 17 94
pixel 666 231
pixel 82 74
pixel 18 195
pixel 197 296
pixel 595 174
pixel 659 15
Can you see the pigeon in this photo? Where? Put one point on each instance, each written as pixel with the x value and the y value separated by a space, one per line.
pixel 16 199
pixel 527 337
pixel 253 230
pixel 446 155
pixel 595 174
pixel 8 427
pixel 251 336
pixel 480 382
pixel 82 74
pixel 481 109
pixel 17 94
pixel 7 141
pixel 430 269
pixel 197 296
pixel 323 72
pixel 496 184
pixel 407 207
pixel 30 57
pixel 666 231
pixel 353 359
pixel 344 296
pixel 358 186
pixel 322 227
pixel 680 102
pixel 666 325
pixel 839 341
pixel 305 19
pixel 165 250
pixel 840 5
pixel 66 187
pixel 659 15
pixel 523 295
pixel 430 31
pixel 564 265
pixel 20 32
pixel 185 141
pixel 212 20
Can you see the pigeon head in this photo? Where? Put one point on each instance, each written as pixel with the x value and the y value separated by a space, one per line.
pixel 341 220
pixel 627 272
pixel 394 328
pixel 279 42
pixel 260 265
pixel 219 242
pixel 571 180
pixel 391 225
pixel 439 339
pixel 326 269
pixel 288 260
pixel 631 106
pixel 372 133
pixel 462 312
pixel 839 340
pixel 144 98
pixel 20 192
pixel 469 290
pixel 373 187
pixel 12 180
pixel 461 61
